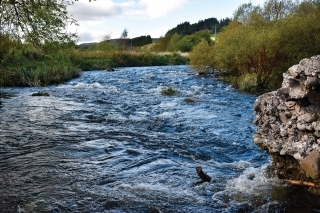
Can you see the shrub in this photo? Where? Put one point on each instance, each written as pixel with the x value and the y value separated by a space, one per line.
pixel 25 65
pixel 257 47
pixel 201 57
pixel 248 82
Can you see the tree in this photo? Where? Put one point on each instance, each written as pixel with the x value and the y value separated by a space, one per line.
pixel 276 9
pixel 107 37
pixel 162 44
pixel 245 12
pixel 175 38
pixel 124 36
pixel 36 21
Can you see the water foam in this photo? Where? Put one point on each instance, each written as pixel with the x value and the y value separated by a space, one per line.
pixel 252 185
pixel 253 181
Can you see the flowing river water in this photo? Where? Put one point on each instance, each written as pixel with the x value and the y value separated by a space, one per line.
pixel 111 142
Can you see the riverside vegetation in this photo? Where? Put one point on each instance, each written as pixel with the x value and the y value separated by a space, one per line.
pixel 45 53
pixel 261 43
pixel 26 65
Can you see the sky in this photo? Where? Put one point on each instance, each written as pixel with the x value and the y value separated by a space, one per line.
pixel 99 18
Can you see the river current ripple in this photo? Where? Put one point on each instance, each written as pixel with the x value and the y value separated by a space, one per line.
pixel 110 142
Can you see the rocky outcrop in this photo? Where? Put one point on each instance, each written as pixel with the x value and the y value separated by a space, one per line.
pixel 288 122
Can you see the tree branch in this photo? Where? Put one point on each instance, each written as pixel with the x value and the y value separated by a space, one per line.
pixel 19 20
pixel 300 183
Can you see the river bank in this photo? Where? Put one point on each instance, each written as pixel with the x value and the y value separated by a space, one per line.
pixel 288 125
pixel 55 64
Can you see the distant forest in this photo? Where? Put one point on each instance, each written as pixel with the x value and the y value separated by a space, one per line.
pixel 142 40
pixel 208 24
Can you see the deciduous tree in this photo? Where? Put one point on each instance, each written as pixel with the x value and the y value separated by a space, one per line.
pixel 36 21
pixel 124 36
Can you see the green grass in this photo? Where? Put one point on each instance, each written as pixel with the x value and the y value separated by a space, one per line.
pixel 25 65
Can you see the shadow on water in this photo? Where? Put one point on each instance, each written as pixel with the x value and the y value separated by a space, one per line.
pixel 111 142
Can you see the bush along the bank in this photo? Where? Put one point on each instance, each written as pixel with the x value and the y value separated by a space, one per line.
pixel 53 63
pixel 92 60
pixel 106 60
pixel 26 65
pixel 260 44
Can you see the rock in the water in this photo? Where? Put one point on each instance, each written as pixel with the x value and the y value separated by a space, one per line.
pixel 204 177
pixel 40 93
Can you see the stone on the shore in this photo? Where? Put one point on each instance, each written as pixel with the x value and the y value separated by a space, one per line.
pixel 311 165
pixel 288 122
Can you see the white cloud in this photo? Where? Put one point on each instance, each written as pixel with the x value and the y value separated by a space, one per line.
pixel 87 34
pixel 160 8
pixel 142 9
pixel 127 4
pixel 156 33
pixel 93 11
pixel 86 37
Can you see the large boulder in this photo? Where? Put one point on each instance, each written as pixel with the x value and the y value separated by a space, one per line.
pixel 288 122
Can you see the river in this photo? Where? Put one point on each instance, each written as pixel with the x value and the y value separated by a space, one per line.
pixel 111 142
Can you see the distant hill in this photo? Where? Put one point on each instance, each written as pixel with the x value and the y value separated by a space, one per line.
pixel 182 29
pixel 134 42
pixel 208 24
pixel 87 45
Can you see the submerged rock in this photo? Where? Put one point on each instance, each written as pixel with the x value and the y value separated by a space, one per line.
pixel 288 122
pixel 40 93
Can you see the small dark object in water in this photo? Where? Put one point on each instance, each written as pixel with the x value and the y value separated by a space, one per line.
pixel 204 177
pixel 190 99
pixel 40 94
pixel 251 177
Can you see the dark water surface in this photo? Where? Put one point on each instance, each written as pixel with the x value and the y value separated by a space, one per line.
pixel 110 142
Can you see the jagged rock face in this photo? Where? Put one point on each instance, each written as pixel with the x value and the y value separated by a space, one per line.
pixel 288 119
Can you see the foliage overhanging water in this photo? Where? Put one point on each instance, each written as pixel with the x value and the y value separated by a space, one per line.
pixel 110 142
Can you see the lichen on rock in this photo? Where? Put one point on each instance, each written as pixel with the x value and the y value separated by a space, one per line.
pixel 288 121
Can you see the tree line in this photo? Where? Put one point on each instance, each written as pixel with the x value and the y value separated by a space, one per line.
pixel 186 28
pixel 185 36
pixel 176 42
pixel 141 41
